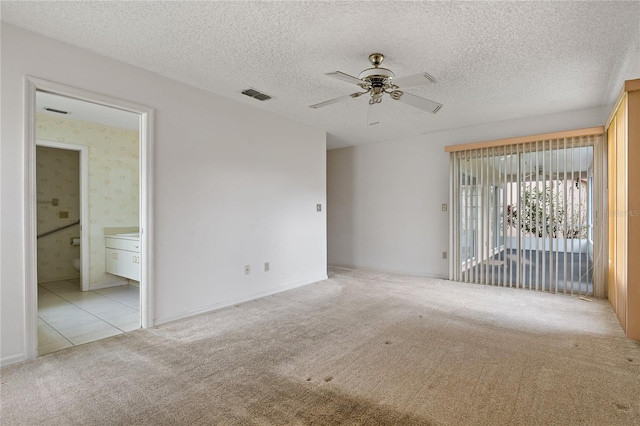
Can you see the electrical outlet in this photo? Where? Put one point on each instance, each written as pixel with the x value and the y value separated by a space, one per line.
pixel 318 207
pixel 247 269
pixel 444 255
pixel 444 207
pixel 63 215
pixel 266 266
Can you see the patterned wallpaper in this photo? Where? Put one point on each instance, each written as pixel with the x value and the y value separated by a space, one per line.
pixel 57 176
pixel 113 179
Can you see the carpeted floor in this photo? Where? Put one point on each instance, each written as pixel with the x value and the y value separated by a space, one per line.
pixel 361 348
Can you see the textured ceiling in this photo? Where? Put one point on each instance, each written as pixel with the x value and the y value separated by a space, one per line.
pixel 493 60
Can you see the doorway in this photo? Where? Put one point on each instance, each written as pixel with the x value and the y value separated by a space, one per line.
pixel 115 204
pixel 62 176
pixel 524 215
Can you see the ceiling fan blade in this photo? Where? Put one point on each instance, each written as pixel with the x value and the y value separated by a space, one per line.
pixel 416 101
pixel 373 117
pixel 336 100
pixel 414 80
pixel 345 77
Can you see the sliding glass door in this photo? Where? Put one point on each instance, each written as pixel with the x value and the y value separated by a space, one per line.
pixel 523 215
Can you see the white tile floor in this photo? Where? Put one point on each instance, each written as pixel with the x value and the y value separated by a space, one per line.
pixel 68 316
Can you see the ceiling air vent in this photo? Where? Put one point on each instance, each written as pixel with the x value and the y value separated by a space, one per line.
pixel 255 94
pixel 57 111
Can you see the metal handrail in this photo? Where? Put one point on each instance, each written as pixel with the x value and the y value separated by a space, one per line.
pixel 44 234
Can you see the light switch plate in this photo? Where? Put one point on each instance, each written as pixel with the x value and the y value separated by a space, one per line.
pixel 444 207
pixel 318 207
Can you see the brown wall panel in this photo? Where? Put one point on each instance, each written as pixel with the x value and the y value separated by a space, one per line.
pixel 623 138
pixel 633 215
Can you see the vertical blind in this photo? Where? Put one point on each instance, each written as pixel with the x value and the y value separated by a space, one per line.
pixel 523 215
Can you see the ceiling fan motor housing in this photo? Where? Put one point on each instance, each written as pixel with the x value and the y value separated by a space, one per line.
pixel 377 77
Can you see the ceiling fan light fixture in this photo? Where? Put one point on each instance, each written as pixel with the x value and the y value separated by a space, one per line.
pixel 396 95
pixel 376 96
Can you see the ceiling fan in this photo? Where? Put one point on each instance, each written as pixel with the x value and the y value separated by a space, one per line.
pixel 377 81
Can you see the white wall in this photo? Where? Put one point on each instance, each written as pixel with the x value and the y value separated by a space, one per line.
pixel 234 185
pixel 384 199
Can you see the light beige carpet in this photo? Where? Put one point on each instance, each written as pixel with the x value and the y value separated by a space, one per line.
pixel 360 348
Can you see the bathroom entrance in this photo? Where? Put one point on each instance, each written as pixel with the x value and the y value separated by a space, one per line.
pixel 87 185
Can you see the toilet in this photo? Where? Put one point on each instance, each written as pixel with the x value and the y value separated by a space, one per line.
pixel 75 262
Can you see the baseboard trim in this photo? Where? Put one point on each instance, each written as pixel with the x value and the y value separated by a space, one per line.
pixel 229 302
pixel 14 359
pixel 54 279
pixel 108 284
pixel 391 271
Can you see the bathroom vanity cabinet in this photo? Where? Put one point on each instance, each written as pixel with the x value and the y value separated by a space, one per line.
pixel 123 256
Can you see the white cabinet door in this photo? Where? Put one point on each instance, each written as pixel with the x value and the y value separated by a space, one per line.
pixel 123 263
pixel 128 265
pixel 111 260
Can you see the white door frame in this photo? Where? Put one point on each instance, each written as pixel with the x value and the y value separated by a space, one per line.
pixel 83 151
pixel 31 85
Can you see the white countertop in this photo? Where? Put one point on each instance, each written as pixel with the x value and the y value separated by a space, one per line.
pixel 133 236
